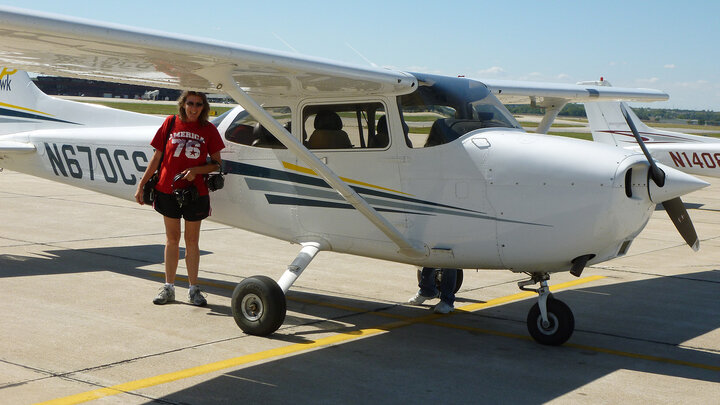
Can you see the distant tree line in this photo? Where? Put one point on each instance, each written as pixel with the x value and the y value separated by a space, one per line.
pixel 647 114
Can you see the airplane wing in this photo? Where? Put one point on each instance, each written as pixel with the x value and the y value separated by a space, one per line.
pixel 66 46
pixel 548 94
pixel 554 96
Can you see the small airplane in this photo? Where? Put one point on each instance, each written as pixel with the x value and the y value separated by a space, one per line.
pixel 414 168
pixel 692 154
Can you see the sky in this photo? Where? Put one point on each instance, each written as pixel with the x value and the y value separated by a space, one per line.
pixel 665 45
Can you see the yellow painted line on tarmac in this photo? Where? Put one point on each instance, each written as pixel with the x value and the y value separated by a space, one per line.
pixel 613 352
pixel 526 294
pixel 644 357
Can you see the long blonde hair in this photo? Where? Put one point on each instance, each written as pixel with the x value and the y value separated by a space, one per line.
pixel 204 114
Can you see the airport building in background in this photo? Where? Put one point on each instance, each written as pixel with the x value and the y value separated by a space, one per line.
pixel 63 86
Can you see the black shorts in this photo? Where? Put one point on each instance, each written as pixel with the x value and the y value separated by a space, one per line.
pixel 167 205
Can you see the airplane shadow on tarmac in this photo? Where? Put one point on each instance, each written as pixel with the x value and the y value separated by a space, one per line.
pixel 653 317
pixel 65 261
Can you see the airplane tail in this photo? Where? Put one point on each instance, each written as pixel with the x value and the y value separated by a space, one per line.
pixel 24 107
pixel 608 125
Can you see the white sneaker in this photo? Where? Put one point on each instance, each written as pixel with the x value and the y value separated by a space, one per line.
pixel 419 299
pixel 197 297
pixel 443 308
pixel 165 295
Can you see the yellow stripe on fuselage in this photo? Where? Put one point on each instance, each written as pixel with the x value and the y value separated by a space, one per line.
pixel 23 108
pixel 306 170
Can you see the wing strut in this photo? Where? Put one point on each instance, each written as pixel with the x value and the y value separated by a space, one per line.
pixel 551 113
pixel 407 248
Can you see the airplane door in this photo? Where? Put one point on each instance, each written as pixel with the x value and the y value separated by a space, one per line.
pixel 348 139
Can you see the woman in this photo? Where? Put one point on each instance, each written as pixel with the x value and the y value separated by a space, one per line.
pixel 183 144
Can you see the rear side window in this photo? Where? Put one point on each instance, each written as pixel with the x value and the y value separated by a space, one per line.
pixel 246 130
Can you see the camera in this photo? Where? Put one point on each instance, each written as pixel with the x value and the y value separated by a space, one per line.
pixel 215 181
pixel 186 195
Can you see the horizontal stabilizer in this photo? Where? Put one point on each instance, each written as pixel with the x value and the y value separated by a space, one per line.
pixel 16 147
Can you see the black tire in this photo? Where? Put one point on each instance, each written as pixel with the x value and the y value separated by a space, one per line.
pixel 258 305
pixel 562 323
pixel 438 277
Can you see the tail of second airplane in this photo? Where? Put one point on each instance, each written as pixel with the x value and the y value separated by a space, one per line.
pixel 608 125
pixel 24 107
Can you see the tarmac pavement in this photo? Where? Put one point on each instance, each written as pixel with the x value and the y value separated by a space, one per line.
pixel 79 270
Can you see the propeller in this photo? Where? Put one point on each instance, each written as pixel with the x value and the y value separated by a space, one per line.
pixel 656 174
pixel 674 207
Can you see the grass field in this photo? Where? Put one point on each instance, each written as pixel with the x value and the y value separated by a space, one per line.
pixel 152 108
pixel 167 109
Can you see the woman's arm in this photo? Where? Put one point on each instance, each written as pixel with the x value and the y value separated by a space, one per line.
pixel 151 168
pixel 204 169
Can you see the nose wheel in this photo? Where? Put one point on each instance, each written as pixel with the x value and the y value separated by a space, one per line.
pixel 550 321
pixel 559 326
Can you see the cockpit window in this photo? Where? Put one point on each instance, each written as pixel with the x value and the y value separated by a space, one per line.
pixel 443 108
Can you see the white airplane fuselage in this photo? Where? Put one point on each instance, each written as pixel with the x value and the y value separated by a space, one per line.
pixel 492 199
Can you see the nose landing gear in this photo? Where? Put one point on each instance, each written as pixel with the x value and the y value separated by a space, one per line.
pixel 550 321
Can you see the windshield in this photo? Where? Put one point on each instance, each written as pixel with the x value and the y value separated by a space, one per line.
pixel 444 108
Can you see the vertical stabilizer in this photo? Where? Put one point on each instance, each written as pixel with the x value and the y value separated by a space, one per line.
pixel 24 107
pixel 608 124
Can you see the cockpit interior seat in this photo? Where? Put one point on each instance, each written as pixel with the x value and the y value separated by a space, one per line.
pixel 243 134
pixel 449 129
pixel 328 133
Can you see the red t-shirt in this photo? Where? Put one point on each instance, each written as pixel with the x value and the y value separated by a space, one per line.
pixel 188 145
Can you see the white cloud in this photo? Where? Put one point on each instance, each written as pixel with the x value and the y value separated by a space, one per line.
pixel 495 70
pixel 563 76
pixel 669 66
pixel 648 81
pixel 698 84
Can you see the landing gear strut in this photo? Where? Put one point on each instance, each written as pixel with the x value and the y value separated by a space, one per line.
pixel 258 302
pixel 550 321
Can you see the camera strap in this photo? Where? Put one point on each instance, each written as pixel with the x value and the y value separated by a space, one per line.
pixel 167 136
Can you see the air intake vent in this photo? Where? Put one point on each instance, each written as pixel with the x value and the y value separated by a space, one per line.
pixel 628 183
pixel 624 247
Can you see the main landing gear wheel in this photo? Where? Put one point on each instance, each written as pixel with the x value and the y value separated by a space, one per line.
pixel 559 327
pixel 438 279
pixel 258 305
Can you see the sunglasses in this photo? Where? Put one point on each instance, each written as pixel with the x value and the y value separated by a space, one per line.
pixel 194 104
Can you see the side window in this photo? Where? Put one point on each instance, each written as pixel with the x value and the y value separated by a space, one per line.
pixel 345 126
pixel 247 131
pixel 427 124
